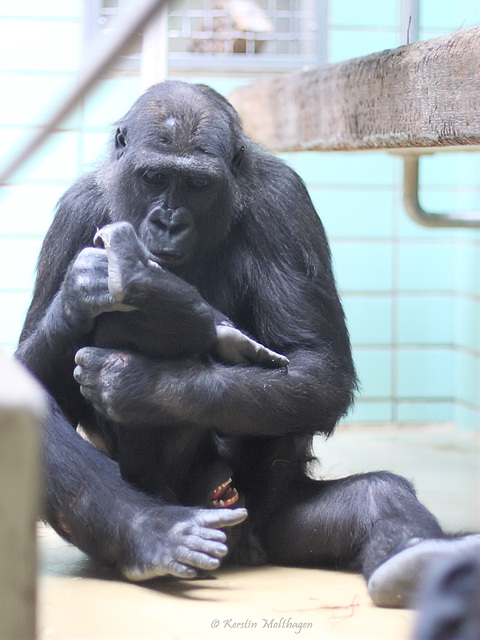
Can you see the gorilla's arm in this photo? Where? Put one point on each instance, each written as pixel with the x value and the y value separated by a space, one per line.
pixel 310 396
pixel 48 341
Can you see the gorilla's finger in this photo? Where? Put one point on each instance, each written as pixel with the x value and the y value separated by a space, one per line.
pixel 217 518
pixel 271 358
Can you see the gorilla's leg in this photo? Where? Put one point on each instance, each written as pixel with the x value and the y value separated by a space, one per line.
pixel 370 522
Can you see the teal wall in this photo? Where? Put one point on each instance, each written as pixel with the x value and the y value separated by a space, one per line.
pixel 412 295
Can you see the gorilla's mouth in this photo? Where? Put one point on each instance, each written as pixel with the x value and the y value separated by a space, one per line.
pixel 165 258
pixel 169 256
pixel 225 495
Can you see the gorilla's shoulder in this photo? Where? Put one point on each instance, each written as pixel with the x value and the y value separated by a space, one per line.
pixel 86 196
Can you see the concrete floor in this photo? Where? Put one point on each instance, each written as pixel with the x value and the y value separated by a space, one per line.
pixel 78 600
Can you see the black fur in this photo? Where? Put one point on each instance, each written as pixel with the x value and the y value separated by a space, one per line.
pixel 241 246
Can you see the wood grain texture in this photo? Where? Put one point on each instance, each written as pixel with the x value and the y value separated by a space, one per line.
pixel 22 408
pixel 426 94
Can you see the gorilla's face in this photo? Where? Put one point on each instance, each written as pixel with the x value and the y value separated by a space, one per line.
pixel 173 178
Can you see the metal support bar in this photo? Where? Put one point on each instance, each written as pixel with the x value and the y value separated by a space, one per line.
pixel 414 209
pixel 154 60
pixel 129 23
pixel 409 21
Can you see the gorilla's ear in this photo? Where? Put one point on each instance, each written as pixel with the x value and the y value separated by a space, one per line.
pixel 120 141
pixel 238 157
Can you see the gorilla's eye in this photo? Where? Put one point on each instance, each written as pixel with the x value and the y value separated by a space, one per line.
pixel 198 183
pixel 155 179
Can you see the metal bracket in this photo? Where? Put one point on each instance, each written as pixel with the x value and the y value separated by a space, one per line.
pixel 419 215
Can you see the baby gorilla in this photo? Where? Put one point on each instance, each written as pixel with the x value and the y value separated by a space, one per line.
pixel 163 317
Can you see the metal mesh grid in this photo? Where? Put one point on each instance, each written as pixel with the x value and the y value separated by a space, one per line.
pixel 228 27
pixel 237 33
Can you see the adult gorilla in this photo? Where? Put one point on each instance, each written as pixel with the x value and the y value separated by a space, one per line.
pixel 238 244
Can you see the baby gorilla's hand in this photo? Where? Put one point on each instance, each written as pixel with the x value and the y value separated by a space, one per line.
pixel 234 347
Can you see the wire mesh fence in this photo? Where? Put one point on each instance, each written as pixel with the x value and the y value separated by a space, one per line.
pixel 239 34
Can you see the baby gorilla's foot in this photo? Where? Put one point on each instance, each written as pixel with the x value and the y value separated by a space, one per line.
pixel 395 582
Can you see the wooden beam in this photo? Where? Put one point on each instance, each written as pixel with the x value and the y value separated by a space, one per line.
pixel 22 407
pixel 426 94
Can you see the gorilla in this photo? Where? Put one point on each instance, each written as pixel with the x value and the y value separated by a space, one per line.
pixel 186 318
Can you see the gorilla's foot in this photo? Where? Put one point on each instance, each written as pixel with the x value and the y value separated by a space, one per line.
pixel 396 581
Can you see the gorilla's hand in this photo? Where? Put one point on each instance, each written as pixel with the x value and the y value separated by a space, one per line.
pixel 103 376
pixel 128 259
pixel 234 347
pixel 177 541
pixel 85 293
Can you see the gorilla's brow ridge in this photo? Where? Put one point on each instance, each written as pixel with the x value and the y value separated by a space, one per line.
pixel 195 160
